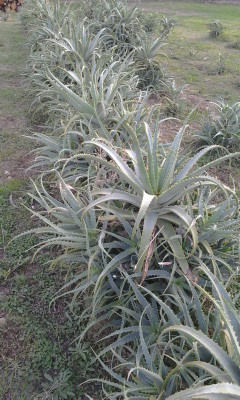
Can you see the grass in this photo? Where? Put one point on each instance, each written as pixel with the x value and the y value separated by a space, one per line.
pixel 37 348
pixel 37 352
pixel 186 7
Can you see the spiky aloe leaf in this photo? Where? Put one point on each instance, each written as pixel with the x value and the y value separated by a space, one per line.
pixel 221 391
pixel 227 310
pixel 192 162
pixel 168 169
pixel 170 236
pixel 228 365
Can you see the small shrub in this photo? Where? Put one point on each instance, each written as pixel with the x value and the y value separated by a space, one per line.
pixel 57 387
pixel 174 98
pixel 193 53
pixel 236 44
pixel 167 24
pixel 220 65
pixel 150 21
pixel 216 28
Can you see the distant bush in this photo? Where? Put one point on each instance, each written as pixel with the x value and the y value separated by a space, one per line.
pixel 236 44
pixel 167 24
pixel 216 28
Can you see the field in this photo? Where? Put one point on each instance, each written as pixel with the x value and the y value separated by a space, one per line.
pixel 119 231
pixel 193 57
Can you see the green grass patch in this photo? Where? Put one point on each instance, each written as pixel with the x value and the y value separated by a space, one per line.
pixel 37 352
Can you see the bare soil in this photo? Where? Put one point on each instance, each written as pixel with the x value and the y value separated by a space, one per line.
pixel 15 156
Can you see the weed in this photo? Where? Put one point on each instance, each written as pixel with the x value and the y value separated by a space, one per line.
pixel 10 186
pixel 221 65
pixel 236 44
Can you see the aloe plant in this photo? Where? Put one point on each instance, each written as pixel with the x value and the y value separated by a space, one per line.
pixel 143 225
pixel 162 359
pixel 125 35
pixel 215 27
pixel 76 48
pixel 173 97
pixel 224 129
pixel 41 18
pixel 167 24
pixel 152 186
pixel 151 74
pixel 102 89
pixel 121 24
pixel 218 221
pixel 150 21
pixel 63 223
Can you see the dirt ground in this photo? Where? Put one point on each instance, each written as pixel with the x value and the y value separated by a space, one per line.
pixel 14 148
